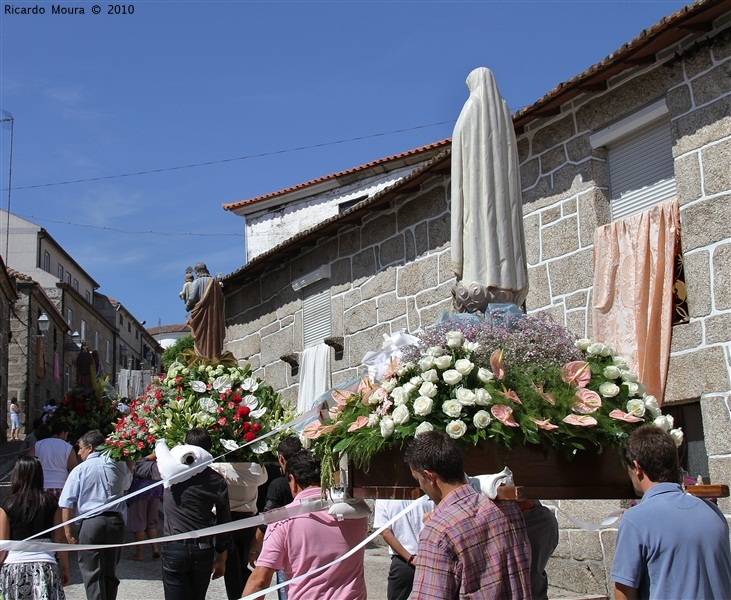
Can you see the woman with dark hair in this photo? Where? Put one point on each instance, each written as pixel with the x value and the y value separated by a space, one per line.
pixel 31 575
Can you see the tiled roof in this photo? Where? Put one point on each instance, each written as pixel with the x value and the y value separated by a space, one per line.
pixel 19 275
pixel 429 149
pixel 174 328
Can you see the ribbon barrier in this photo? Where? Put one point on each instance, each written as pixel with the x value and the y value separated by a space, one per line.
pixel 611 518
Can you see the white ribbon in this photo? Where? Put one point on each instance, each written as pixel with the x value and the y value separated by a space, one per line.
pixel 611 518
pixel 376 361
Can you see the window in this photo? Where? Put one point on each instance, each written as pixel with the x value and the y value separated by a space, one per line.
pixel 68 277
pixel 46 262
pixel 129 327
pixel 70 317
pixel 316 315
pixel 694 458
pixel 640 159
pixel 83 330
pixel 121 320
pixel 88 296
pixel 76 284
pixel 96 341
pixel 107 351
pixel 137 334
pixel 60 271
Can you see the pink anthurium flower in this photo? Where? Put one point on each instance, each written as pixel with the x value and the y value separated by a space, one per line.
pixel 580 420
pixel 545 425
pixel 587 401
pixel 511 395
pixel 623 416
pixel 358 423
pixel 496 364
pixel 547 397
pixel 576 373
pixel 504 414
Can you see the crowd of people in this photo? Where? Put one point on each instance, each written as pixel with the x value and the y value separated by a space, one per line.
pixel 458 544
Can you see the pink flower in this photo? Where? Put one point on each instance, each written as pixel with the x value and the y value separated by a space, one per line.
pixel 547 397
pixel 580 420
pixel 312 431
pixel 341 397
pixel 576 373
pixel 623 416
pixel 496 364
pixel 359 422
pixel 504 414
pixel 511 395
pixel 587 403
pixel 545 425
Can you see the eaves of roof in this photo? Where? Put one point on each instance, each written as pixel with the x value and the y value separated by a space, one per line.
pixel 335 180
pixel 173 328
pixel 22 278
pixel 440 164
pixel 43 233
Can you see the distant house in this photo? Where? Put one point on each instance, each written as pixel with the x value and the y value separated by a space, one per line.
pixel 649 123
pixel 167 335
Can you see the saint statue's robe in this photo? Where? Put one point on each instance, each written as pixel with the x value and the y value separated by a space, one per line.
pixel 206 322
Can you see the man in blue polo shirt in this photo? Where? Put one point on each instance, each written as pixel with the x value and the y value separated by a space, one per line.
pixel 671 545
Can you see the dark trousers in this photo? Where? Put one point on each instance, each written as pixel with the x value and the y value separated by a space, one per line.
pixel 400 579
pixel 237 571
pixel 186 570
pixel 98 567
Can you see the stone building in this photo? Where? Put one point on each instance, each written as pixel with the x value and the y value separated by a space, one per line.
pixel 7 298
pixel 383 264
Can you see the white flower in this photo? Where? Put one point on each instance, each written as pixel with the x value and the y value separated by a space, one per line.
pixel 410 388
pixel 595 349
pixel 465 397
pixel 430 375
pixel 652 406
pixel 400 396
pixel 582 344
pixel 198 386
pixel 608 389
pixel 629 376
pixel 452 408
pixel 435 351
pixel 260 447
pixel 620 362
pixel 464 366
pixel 485 375
pixel 452 377
pixel 482 397
pixel 454 339
pixel 428 389
pixel 374 398
pixel 222 384
pixel 373 419
pixel 677 435
pixel 426 362
pixel 443 362
pixel 641 389
pixel 456 429
pixel 423 428
pixel 417 381
pixel 306 442
pixel 423 406
pixel 208 404
pixel 481 419
pixel 471 346
pixel 251 401
pixel 389 385
pixel 250 384
pixel 636 407
pixel 612 372
pixel 401 415
pixel 633 389
pixel 229 445
pixel 258 414
pixel 664 422
pixel 387 427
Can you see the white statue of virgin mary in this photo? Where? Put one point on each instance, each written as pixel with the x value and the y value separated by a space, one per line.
pixel 488 245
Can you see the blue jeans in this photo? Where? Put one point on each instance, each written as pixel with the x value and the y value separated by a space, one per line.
pixel 186 570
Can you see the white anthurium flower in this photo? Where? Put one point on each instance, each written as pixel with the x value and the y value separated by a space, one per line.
pixel 431 375
pixel 452 408
pixel 387 427
pixel 609 389
pixel 258 413
pixel 482 419
pixel 208 404
pixel 423 428
pixel 428 389
pixel 456 429
pixel 222 384
pixel 636 407
pixel 426 362
pixel 423 406
pixel 664 422
pixel 466 397
pixel 482 397
pixel 251 401
pixel 471 346
pixel 464 366
pixel 260 447
pixel 612 372
pixel 485 375
pixel 454 339
pixel 443 362
pixel 399 396
pixel 677 435
pixel 401 415
pixel 435 351
pixel 583 344
pixel 652 406
pixel 198 386
pixel 229 445
pixel 452 376
pixel 250 384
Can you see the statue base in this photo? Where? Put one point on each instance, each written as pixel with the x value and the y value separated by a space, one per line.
pixel 474 297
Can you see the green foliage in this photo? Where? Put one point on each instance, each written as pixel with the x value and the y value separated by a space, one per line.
pixel 172 354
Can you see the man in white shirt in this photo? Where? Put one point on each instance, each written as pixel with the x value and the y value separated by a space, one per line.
pixel 57 458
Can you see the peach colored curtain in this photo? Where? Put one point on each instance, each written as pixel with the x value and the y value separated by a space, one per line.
pixel 633 290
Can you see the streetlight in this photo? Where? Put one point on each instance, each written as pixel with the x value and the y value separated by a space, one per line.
pixel 43 323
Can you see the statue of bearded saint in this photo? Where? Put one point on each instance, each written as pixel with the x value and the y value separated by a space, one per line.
pixel 207 318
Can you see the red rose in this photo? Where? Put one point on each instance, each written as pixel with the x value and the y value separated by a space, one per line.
pixel 219 409
pixel 133 433
pixel 78 405
pixel 222 421
pixel 249 437
pixel 150 439
pixel 236 399
pixel 146 409
pixel 255 427
pixel 231 405
pixel 246 427
pixel 243 411
pixel 140 445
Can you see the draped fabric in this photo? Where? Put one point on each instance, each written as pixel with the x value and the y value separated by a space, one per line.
pixel 40 358
pixel 207 320
pixel 315 376
pixel 56 368
pixel 634 265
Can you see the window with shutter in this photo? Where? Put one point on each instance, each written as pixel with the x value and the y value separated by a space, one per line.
pixel 316 314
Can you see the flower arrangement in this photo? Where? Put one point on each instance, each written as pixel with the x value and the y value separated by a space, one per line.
pixel 84 409
pixel 233 406
pixel 513 382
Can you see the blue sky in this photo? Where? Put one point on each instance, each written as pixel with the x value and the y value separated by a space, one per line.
pixel 100 97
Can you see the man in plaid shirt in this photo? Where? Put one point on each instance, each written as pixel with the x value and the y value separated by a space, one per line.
pixel 471 547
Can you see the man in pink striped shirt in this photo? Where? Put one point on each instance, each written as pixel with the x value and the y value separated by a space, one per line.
pixel 471 547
